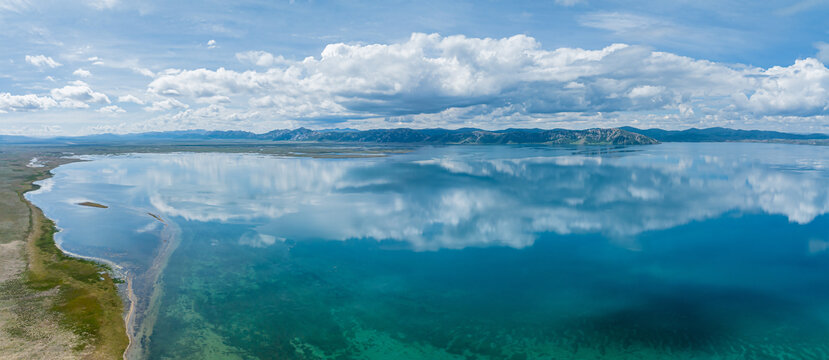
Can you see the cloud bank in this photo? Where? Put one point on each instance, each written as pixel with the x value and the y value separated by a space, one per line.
pixel 453 81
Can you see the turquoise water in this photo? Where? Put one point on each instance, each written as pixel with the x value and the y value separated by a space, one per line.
pixel 693 251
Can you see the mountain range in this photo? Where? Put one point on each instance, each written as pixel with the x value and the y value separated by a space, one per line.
pixel 719 134
pixel 612 136
pixel 399 135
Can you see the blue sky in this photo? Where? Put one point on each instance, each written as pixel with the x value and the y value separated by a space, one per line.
pixel 70 67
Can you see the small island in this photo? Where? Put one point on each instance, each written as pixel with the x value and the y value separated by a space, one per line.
pixel 156 217
pixel 93 204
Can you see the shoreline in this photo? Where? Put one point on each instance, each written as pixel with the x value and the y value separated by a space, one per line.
pixel 133 327
pixel 129 319
pixel 134 324
pixel 142 330
pixel 101 343
pixel 116 269
pixel 133 319
pixel 129 316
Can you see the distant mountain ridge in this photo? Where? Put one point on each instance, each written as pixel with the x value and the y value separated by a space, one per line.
pixel 399 135
pixel 614 136
pixel 719 134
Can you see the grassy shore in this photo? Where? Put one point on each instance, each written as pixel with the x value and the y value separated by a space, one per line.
pixel 54 306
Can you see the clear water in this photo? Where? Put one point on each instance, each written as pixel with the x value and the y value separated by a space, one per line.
pixel 492 252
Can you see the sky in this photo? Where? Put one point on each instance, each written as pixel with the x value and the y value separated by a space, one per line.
pixel 98 66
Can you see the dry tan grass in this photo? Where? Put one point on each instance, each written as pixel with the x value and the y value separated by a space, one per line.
pixel 11 257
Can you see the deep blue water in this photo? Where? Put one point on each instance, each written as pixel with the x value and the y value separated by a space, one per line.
pixel 501 252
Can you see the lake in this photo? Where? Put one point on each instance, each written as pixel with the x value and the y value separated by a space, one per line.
pixel 706 250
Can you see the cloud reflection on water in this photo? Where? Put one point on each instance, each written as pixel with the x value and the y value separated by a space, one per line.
pixel 459 197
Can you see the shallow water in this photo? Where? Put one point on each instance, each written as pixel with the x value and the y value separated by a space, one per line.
pixel 671 250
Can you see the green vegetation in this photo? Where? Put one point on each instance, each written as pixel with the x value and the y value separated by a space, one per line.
pixel 51 305
pixel 87 296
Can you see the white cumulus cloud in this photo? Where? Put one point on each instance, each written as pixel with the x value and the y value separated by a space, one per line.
pixel 9 102
pixel 42 61
pixel 130 99
pixel 167 104
pixel 505 78
pixel 431 80
pixel 259 58
pixel 82 73
pixel 112 109
pixel 800 89
pixel 78 94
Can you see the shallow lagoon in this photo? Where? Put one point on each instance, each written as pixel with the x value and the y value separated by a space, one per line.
pixel 672 250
